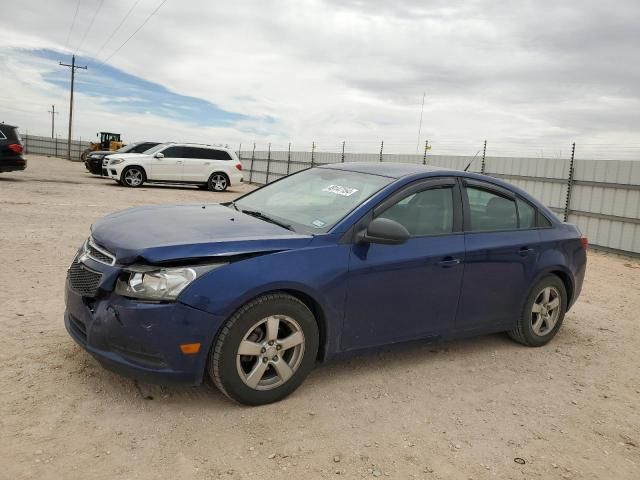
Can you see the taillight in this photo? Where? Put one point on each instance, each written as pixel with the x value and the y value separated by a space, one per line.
pixel 584 241
pixel 15 147
pixel 239 166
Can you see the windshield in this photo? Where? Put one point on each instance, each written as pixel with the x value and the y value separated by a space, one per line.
pixel 158 147
pixel 126 148
pixel 313 200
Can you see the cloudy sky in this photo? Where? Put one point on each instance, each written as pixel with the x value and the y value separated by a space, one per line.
pixel 529 76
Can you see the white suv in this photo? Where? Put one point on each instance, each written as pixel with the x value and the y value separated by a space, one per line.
pixel 207 166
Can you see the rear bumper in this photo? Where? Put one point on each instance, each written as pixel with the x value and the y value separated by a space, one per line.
pixel 141 340
pixel 235 178
pixel 11 164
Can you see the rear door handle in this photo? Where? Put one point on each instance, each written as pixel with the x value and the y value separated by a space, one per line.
pixel 524 251
pixel 448 262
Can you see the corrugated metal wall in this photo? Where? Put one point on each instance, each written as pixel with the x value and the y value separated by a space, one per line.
pixel 53 147
pixel 605 202
pixel 604 199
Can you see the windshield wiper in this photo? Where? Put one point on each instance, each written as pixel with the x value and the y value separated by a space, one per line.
pixel 267 218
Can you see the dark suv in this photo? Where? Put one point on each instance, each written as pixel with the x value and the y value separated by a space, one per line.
pixel 11 149
pixel 94 159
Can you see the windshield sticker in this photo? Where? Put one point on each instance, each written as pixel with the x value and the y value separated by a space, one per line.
pixel 318 223
pixel 340 190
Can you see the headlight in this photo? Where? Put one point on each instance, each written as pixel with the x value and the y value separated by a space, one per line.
pixel 116 161
pixel 159 284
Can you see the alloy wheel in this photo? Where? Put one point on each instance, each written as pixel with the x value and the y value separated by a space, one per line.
pixel 219 182
pixel 270 352
pixel 545 311
pixel 133 177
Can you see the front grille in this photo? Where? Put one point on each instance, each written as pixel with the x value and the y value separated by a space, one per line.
pixel 99 255
pixel 83 280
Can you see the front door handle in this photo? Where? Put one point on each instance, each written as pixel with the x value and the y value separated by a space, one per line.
pixel 448 262
pixel 524 251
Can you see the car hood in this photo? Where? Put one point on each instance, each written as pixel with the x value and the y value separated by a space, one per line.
pixel 167 233
pixel 102 152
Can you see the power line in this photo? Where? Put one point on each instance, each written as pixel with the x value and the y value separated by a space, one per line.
pixel 95 14
pixel 132 35
pixel 73 22
pixel 116 29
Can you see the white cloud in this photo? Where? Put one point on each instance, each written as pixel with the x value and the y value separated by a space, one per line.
pixel 531 77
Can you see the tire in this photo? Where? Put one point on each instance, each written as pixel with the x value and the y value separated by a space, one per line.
pixel 218 182
pixel 133 177
pixel 533 328
pixel 249 379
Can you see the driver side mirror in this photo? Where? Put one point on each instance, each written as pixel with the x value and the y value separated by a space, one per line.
pixel 159 155
pixel 384 231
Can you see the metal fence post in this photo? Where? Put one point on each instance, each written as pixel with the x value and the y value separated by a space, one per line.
pixel 240 151
pixel 569 182
pixel 26 142
pixel 266 179
pixel 381 147
pixel 342 158
pixel 426 147
pixel 56 147
pixel 313 151
pixel 484 153
pixel 253 157
pixel 289 158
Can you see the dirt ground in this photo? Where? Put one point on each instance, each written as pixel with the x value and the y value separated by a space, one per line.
pixel 460 410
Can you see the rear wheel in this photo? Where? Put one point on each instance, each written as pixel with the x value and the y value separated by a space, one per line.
pixel 85 154
pixel 133 177
pixel 543 313
pixel 265 350
pixel 218 182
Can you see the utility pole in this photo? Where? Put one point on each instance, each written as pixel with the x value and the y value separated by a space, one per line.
pixel 53 119
pixel 73 67
pixel 424 94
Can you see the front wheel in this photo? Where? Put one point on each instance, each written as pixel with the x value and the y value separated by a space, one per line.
pixel 543 313
pixel 265 350
pixel 132 177
pixel 218 182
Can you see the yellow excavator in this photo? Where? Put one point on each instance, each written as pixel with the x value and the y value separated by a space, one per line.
pixel 108 142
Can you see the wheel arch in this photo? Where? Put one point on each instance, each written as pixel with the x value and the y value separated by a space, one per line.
pixel 215 171
pixel 142 167
pixel 565 277
pixel 567 281
pixel 307 299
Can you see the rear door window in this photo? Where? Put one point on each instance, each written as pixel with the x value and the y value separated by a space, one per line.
pixel 526 214
pixel 489 211
pixel 173 152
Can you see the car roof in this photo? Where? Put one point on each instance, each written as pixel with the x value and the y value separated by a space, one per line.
pixel 393 170
pixel 403 170
pixel 201 145
pixel 2 124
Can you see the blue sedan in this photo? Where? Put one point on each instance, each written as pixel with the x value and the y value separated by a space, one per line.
pixel 331 260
